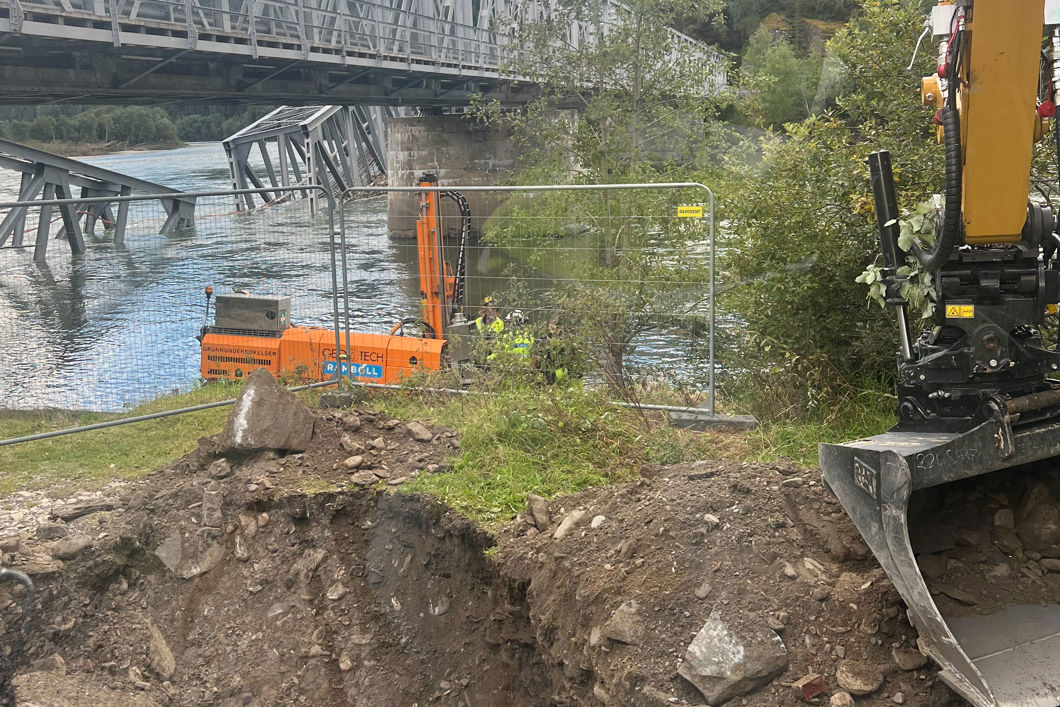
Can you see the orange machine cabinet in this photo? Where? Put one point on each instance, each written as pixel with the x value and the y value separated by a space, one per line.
pixel 235 356
pixel 308 354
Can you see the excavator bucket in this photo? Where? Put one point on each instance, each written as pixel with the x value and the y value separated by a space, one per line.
pixel 994 631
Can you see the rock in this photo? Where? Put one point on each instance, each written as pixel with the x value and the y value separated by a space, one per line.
pixel 212 500
pixel 789 571
pixel 858 677
pixel 266 416
pixel 711 521
pixel 808 686
pixel 569 522
pixel 51 664
pixel 1002 570
pixel 597 521
pixel 418 432
pixel 162 660
pixel 249 524
pixel 51 531
pixel 336 591
pixel 364 478
pixel 349 445
pixel 206 562
pixel 703 590
pixel 353 462
pixel 345 664
pixel 241 552
pixel 306 566
pixel 378 443
pixel 1007 541
pixel 1005 518
pixel 1050 564
pixel 723 664
pixel 820 593
pixel 931 566
pixel 898 698
pixel 220 469
pixel 537 510
pixel 69 511
pixel 1038 518
pixel 596 637
pixel 170 551
pixel 908 658
pixel 351 421
pixel 841 699
pixel 792 483
pixel 71 546
pixel 625 625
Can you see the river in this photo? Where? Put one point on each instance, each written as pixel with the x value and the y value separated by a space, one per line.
pixel 117 327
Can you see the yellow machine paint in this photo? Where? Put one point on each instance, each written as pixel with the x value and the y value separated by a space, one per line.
pixel 998 118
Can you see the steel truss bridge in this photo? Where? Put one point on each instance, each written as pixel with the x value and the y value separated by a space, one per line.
pixel 297 52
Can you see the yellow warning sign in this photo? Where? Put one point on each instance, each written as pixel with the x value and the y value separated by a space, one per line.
pixel 960 311
pixel 690 212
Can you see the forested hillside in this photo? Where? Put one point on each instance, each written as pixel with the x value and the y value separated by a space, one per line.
pixel 80 129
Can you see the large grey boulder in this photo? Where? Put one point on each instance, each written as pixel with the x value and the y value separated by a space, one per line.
pixel 266 416
pixel 724 662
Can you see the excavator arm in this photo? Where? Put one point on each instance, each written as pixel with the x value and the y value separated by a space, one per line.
pixel 975 392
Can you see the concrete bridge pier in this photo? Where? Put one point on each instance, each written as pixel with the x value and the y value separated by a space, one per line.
pixel 460 152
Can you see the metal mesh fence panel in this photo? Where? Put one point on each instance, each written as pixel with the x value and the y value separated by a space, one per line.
pixel 116 326
pixel 616 282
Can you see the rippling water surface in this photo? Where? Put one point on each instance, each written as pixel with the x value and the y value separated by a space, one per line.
pixel 117 326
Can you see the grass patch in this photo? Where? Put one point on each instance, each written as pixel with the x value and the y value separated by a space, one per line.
pixel 550 442
pixel 93 458
pixel 867 413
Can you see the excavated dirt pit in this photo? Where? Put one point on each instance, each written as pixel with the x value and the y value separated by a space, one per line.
pixel 363 596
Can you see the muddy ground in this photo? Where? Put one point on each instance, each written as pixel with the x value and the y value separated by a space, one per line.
pixel 237 579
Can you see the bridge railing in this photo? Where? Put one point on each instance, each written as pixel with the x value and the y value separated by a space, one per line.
pixel 322 28
pixel 310 26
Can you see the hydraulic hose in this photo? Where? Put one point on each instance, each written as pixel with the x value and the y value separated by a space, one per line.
pixel 951 212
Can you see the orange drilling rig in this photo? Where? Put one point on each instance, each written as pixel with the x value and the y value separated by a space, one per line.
pixel 252 332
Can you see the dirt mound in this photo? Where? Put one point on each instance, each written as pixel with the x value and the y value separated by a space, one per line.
pixel 260 579
pixel 759 547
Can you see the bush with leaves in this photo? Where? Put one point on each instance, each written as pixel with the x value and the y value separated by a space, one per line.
pixel 803 224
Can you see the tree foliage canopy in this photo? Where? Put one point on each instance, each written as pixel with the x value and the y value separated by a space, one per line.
pixel 803 221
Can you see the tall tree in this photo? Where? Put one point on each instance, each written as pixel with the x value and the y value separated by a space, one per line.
pixel 629 102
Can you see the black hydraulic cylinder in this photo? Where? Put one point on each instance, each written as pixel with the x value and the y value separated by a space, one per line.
pixel 886 207
pixel 887 222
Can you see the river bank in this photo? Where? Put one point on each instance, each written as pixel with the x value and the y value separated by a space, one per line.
pixel 78 150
